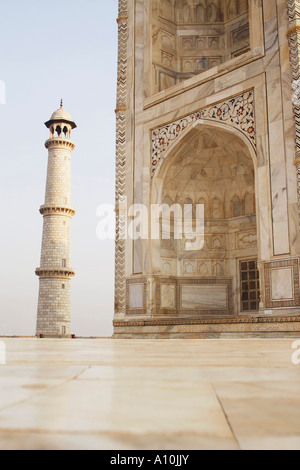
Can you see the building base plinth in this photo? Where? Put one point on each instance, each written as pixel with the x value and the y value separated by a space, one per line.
pixel 208 328
pixel 41 336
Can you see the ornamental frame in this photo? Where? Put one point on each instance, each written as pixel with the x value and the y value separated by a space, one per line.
pixel 120 188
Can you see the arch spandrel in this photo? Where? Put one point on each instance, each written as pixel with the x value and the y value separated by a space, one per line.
pixel 203 128
pixel 234 114
pixel 161 168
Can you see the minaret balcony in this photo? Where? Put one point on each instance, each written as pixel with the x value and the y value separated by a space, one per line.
pixel 59 142
pixel 57 210
pixel 55 272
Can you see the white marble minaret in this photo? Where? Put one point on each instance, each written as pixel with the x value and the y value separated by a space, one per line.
pixel 55 273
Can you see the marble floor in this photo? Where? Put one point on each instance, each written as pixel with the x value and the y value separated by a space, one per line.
pixel 149 395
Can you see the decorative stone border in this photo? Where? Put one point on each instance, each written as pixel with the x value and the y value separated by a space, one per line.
pixel 268 267
pixel 211 321
pixel 120 189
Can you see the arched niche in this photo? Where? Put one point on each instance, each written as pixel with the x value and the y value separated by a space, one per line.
pixel 192 36
pixel 216 167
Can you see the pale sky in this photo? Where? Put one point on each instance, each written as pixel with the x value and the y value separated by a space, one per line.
pixel 53 50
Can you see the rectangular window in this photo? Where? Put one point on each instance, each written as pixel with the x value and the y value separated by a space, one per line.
pixel 64 263
pixel 250 288
pixel 63 330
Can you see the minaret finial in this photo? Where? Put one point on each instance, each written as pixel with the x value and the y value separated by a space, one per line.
pixel 61 103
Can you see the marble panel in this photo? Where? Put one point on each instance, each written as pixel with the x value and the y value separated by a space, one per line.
pixel 204 297
pixel 282 284
pixel 168 266
pixel 168 296
pixel 136 296
pixel 189 267
pixel 246 239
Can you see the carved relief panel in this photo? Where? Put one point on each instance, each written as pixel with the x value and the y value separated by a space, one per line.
pixel 219 31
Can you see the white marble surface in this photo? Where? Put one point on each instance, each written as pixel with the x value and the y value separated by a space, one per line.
pixel 282 284
pixel 205 297
pixel 136 296
pixel 168 296
pixel 266 70
pixel 144 394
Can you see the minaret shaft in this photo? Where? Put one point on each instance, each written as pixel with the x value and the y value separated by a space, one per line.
pixel 55 273
pixel 58 187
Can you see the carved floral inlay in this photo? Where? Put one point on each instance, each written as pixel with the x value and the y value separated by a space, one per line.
pixel 237 111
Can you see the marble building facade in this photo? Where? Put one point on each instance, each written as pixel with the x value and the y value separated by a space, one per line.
pixel 208 113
